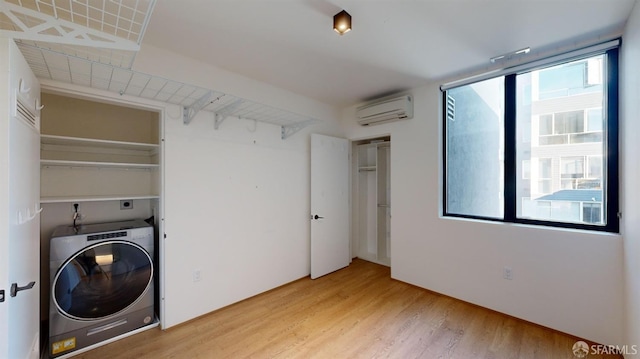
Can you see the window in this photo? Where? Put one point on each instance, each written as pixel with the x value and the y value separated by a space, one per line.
pixel 581 172
pixel 594 119
pixel 570 127
pixel 591 212
pixel 571 169
pixel 536 146
pixel 526 169
pixel 544 175
pixel 595 167
pixel 475 150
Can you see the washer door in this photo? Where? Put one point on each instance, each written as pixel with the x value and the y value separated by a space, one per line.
pixel 102 280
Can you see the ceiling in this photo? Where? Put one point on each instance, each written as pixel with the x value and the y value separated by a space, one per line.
pixel 394 45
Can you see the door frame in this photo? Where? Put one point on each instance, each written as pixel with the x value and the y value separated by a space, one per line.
pixel 354 188
pixel 95 95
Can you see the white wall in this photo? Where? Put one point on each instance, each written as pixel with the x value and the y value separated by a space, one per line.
pixel 563 279
pixel 237 201
pixel 236 198
pixel 630 196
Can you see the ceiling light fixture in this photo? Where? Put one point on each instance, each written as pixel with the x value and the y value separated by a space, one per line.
pixel 509 55
pixel 342 22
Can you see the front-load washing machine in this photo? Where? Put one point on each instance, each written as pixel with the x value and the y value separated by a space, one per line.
pixel 101 283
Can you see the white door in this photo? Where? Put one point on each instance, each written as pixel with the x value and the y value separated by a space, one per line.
pixel 329 204
pixel 19 221
pixel 20 247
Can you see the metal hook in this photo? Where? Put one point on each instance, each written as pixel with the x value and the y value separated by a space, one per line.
pixel 21 87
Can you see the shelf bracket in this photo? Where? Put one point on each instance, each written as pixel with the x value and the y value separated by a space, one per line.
pixel 188 113
pixel 287 131
pixel 217 120
pixel 222 113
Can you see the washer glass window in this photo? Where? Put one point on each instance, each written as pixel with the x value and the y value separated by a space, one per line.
pixel 102 280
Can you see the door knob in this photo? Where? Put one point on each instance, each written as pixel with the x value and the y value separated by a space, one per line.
pixel 317 217
pixel 15 289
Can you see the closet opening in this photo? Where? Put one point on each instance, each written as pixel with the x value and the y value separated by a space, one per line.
pixel 371 202
pixel 100 191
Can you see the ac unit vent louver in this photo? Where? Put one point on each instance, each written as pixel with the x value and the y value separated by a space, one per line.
pixel 383 111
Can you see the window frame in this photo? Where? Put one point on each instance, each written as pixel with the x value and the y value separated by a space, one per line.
pixel 610 172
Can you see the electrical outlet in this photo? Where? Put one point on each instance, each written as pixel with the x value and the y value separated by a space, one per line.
pixel 197 275
pixel 507 273
pixel 126 204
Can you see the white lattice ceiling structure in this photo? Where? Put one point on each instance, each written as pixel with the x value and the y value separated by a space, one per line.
pixel 93 43
pixel 106 31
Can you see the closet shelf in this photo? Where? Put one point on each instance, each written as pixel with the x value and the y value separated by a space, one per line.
pixel 375 144
pixel 52 65
pixel 65 199
pixel 63 163
pixel 89 142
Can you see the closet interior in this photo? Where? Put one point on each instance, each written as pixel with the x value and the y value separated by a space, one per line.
pixel 371 188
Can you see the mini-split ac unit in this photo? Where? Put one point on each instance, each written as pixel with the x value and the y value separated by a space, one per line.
pixel 377 112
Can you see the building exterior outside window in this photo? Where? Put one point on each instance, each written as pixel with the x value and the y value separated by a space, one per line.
pixel 560 116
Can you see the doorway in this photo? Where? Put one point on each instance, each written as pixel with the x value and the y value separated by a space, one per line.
pixel 371 191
